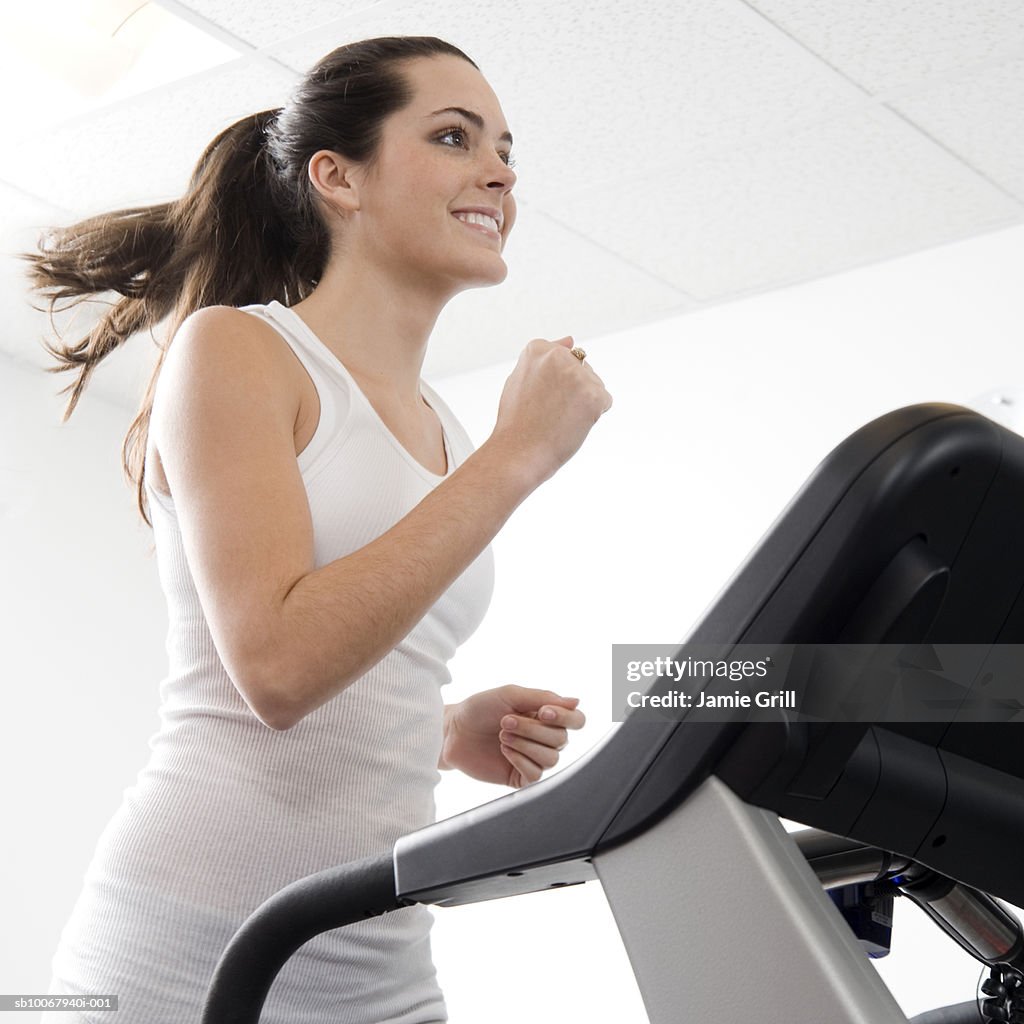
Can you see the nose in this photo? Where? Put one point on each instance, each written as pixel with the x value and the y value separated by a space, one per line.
pixel 498 174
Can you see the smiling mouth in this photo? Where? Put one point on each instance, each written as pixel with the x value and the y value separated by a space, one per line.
pixel 481 222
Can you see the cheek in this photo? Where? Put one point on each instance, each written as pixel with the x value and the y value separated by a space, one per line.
pixel 409 187
pixel 508 208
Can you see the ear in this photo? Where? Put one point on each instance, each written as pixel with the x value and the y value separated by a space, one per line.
pixel 336 179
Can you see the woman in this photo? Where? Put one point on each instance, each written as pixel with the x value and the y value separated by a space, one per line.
pixel 322 526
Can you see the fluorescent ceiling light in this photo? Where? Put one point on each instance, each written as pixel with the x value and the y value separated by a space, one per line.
pixel 67 57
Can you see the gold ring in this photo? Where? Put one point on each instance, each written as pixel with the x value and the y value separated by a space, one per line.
pixel 578 353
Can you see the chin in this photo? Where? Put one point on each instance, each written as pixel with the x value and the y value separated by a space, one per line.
pixel 494 273
pixel 496 278
pixel 481 276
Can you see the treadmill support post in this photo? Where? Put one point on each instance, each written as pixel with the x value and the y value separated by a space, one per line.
pixel 723 919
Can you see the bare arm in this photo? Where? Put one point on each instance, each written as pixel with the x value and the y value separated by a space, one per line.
pixel 291 637
pixel 335 623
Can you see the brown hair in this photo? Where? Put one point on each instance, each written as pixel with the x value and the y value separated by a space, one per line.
pixel 247 230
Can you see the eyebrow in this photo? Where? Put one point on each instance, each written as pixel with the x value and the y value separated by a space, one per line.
pixel 472 117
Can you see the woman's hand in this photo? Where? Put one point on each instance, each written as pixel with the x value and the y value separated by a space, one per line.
pixel 548 406
pixel 509 735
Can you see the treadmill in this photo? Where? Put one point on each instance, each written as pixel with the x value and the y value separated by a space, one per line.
pixel 901 538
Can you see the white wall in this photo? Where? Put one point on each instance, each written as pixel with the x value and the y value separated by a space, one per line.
pixel 83 625
pixel 718 419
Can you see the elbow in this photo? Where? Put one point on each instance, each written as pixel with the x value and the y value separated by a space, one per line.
pixel 283 702
pixel 283 688
pixel 281 696
pixel 273 708
pixel 275 720
pixel 264 707
pixel 269 681
pixel 262 692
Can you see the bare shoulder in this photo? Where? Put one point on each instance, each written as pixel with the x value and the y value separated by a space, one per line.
pixel 222 355
pixel 223 337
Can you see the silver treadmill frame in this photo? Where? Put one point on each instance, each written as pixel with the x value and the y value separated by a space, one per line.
pixel 723 919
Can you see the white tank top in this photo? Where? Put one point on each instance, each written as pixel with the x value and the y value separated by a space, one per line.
pixel 227 811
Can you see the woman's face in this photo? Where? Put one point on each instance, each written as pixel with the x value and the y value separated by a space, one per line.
pixel 436 203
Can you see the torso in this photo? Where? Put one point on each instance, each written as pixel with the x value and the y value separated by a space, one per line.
pixel 422 439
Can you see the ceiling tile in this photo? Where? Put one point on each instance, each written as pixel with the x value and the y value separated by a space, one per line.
pixel 980 116
pixel 142 149
pixel 885 44
pixel 558 283
pixel 846 192
pixel 262 24
pixel 77 69
pixel 590 95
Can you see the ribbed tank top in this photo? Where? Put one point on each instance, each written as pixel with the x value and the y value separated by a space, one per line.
pixel 227 811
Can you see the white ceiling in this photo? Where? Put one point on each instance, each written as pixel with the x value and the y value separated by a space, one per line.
pixel 670 156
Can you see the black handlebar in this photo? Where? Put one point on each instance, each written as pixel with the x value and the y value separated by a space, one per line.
pixel 288 919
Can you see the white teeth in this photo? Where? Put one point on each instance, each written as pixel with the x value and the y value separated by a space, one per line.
pixel 479 218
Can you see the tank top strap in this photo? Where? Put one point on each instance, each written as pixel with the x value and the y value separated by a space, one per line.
pixel 331 387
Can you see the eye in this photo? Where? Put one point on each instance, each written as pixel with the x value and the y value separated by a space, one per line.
pixel 460 134
pixel 454 132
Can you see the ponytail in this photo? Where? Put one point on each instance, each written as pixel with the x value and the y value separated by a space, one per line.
pixel 222 243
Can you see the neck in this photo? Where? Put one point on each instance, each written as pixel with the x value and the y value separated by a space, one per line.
pixel 377 326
